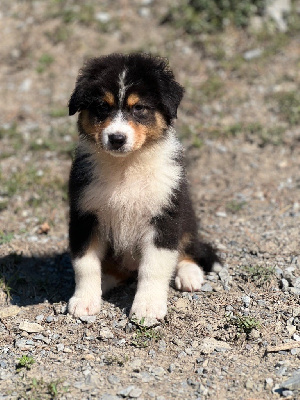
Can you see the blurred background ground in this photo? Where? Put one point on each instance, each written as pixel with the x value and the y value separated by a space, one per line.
pixel 239 120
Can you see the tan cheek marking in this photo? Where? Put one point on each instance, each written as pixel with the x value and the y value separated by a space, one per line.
pixel 109 98
pixel 132 99
pixel 145 133
pixel 92 130
pixel 140 134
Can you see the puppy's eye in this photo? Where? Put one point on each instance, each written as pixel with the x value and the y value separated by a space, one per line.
pixel 139 109
pixel 103 106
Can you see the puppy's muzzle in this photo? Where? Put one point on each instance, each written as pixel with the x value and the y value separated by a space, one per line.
pixel 116 140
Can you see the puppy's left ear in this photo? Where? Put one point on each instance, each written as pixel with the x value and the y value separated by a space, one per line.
pixel 171 92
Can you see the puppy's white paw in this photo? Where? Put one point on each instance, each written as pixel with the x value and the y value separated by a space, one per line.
pixel 148 307
pixel 189 277
pixel 83 303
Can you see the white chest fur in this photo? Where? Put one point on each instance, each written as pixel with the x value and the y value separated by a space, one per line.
pixel 126 192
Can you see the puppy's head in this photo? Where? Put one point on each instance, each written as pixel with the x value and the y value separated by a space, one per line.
pixel 125 101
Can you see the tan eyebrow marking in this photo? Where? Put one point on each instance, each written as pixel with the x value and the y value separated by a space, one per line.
pixel 133 99
pixel 109 98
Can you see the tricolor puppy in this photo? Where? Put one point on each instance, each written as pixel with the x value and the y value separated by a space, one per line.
pixel 130 211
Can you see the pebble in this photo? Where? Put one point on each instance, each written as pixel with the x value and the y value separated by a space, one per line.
pixel 106 333
pixel 225 278
pixel 60 347
pixel 107 396
pixel 9 311
pixel 113 379
pixel 125 392
pixel 206 287
pixel 49 319
pixel 158 371
pixel 136 364
pixel 89 319
pixel 287 393
pixel 246 300
pixel 251 54
pixel 39 318
pixel 171 367
pixel 135 393
pixel 292 383
pixel 269 383
pixel 42 338
pixel 284 284
pixel 152 353
pixel 30 327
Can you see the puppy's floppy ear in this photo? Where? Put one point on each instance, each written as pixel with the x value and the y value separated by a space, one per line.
pixel 171 91
pixel 79 99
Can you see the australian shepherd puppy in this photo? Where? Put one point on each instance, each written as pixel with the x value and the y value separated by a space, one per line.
pixel 130 211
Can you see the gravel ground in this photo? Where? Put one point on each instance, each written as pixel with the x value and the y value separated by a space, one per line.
pixel 239 337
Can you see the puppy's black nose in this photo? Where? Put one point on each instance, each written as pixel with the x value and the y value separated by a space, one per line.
pixel 116 140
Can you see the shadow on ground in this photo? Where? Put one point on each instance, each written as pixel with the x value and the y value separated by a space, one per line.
pixel 32 280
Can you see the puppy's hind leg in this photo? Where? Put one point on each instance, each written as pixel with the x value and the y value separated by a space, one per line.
pixel 189 276
pixel 197 257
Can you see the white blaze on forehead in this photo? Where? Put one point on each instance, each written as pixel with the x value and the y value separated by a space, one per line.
pixel 122 87
pixel 119 125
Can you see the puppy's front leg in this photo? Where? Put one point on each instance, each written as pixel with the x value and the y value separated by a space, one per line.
pixel 86 255
pixel 155 272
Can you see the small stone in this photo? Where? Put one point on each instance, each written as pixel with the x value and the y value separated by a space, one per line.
pixel 162 345
pixel 107 396
pixel 134 393
pixel 292 383
pixel 89 319
pixel 42 338
pixel 294 352
pixel 39 318
pixel 296 337
pixel 11 311
pixel 287 393
pixel 171 367
pixel 284 284
pixel 113 379
pixel 208 345
pixel 158 371
pixel 251 54
pixel 49 319
pixel 249 384
pixel 291 329
pixel 246 300
pixel 106 333
pixel 136 364
pixel 217 267
pixel 206 287
pixel 60 347
pixel 125 392
pixel 221 214
pixel 152 353
pixel 269 383
pixel 30 327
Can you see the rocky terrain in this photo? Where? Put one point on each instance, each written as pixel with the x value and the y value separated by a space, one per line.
pixel 239 338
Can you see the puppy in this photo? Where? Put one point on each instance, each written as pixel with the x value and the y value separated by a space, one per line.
pixel 130 211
